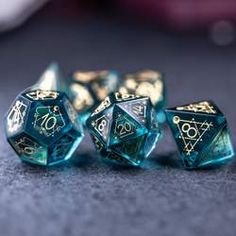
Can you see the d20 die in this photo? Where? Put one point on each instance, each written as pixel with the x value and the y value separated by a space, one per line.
pixel 124 128
pixel 42 127
pixel 90 88
pixel 201 133
pixel 147 83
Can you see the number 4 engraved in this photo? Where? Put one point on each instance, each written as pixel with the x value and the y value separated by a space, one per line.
pixel 139 109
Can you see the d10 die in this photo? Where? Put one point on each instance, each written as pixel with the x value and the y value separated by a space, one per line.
pixel 147 83
pixel 42 125
pixel 90 88
pixel 201 133
pixel 124 128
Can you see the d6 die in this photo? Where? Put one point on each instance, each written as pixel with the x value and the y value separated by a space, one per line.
pixel 124 128
pixel 147 83
pixel 90 88
pixel 201 133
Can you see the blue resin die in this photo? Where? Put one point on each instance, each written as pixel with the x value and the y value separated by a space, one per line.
pixel 124 128
pixel 89 88
pixel 201 133
pixel 42 125
pixel 148 83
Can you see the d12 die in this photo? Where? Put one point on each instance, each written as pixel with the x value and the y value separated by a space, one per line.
pixel 42 125
pixel 90 88
pixel 147 83
pixel 201 133
pixel 124 128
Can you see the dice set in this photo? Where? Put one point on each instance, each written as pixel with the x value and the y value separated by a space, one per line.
pixel 124 117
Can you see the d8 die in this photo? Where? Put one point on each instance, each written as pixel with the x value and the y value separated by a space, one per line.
pixel 90 88
pixel 42 125
pixel 124 128
pixel 201 133
pixel 147 83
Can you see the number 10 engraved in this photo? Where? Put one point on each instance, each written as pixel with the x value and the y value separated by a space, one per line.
pixel 48 120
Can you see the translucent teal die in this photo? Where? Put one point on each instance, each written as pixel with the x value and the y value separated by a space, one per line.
pixel 124 128
pixel 89 88
pixel 41 124
pixel 201 133
pixel 148 83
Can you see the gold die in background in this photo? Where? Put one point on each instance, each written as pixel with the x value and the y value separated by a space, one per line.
pixel 146 83
pixel 91 87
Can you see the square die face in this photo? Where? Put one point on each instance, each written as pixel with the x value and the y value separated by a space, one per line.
pixel 194 129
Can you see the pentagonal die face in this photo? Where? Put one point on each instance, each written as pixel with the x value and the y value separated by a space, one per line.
pixel 50 124
pixel 16 116
pixel 121 129
pixel 29 149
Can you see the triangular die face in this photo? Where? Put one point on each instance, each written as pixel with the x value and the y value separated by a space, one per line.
pixel 193 132
pixel 151 142
pixel 124 127
pixel 219 151
pixel 202 107
pixel 101 124
pixel 132 149
pixel 105 104
pixel 137 108
pixel 153 123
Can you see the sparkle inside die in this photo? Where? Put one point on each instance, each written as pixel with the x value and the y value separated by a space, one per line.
pixel 201 133
pixel 124 128
pixel 42 125
pixel 90 87
pixel 147 83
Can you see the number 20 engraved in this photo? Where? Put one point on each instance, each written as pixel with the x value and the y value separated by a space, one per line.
pixel 123 128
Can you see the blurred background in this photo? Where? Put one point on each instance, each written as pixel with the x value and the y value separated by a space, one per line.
pixel 215 16
pixel 192 42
